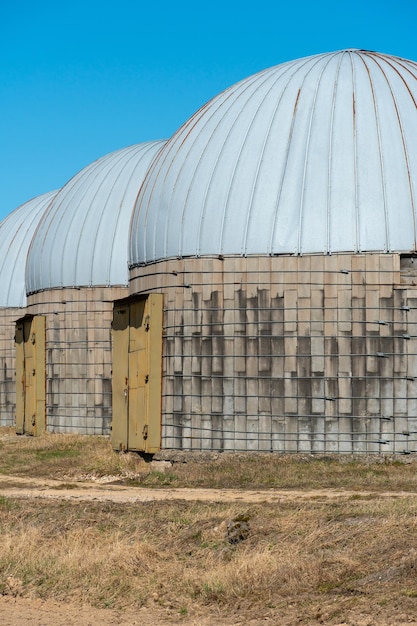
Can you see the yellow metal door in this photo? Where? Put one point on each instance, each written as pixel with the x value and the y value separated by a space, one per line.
pixel 137 363
pixel 30 375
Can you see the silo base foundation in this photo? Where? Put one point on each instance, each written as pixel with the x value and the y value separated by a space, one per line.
pixel 306 354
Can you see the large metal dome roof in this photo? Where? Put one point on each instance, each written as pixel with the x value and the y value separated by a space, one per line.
pixel 16 232
pixel 82 239
pixel 317 155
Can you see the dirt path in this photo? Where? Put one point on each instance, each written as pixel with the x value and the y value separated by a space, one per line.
pixel 36 612
pixel 22 487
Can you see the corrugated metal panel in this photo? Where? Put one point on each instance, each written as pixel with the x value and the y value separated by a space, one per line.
pixel 16 232
pixel 82 239
pixel 315 155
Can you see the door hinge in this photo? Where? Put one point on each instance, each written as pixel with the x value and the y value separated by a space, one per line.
pixel 145 432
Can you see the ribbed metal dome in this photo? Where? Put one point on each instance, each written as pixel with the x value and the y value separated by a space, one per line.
pixel 82 239
pixel 16 232
pixel 317 155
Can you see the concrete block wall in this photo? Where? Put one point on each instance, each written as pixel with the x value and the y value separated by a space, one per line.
pixel 8 317
pixel 78 357
pixel 290 354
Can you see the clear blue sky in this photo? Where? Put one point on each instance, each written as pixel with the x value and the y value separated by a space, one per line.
pixel 82 78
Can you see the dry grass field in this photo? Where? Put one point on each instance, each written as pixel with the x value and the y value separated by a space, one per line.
pixel 346 559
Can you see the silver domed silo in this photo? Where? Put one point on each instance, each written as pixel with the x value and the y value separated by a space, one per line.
pixel 77 265
pixel 279 224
